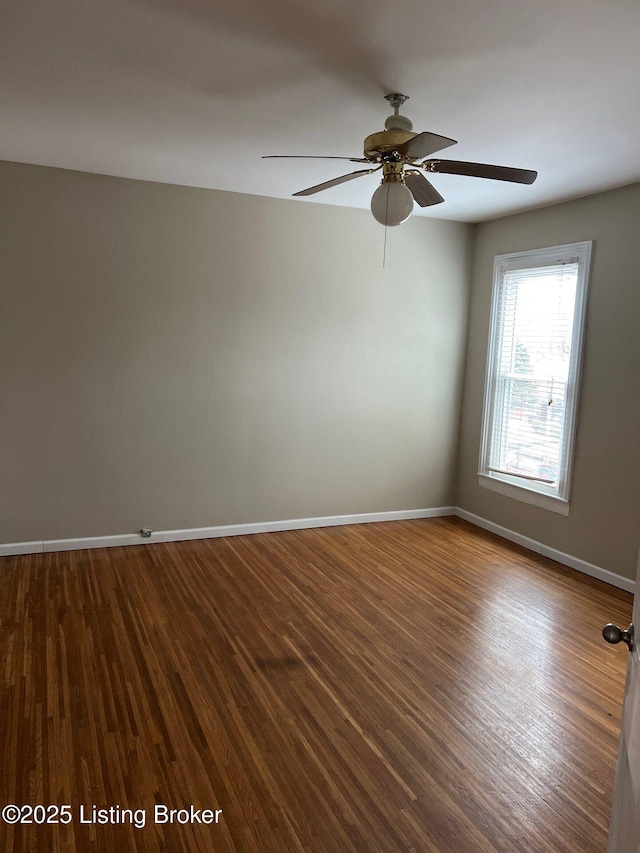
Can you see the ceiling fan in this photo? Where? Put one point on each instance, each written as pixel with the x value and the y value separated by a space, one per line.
pixel 395 151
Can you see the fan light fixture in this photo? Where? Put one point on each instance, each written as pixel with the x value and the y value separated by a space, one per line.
pixel 391 203
pixel 396 150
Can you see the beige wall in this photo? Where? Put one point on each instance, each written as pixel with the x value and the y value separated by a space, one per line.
pixel 603 526
pixel 174 357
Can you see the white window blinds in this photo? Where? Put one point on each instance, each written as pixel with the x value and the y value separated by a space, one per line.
pixel 534 356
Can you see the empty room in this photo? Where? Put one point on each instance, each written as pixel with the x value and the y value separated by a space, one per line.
pixel 319 426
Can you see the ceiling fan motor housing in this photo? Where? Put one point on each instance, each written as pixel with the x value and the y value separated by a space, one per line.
pixel 384 142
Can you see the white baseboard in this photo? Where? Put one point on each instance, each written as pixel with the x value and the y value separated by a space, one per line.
pixel 49 545
pixel 12 548
pixel 560 557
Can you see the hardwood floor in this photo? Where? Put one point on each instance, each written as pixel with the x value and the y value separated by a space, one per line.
pixel 409 686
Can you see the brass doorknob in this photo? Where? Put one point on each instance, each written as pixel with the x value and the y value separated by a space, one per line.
pixel 613 634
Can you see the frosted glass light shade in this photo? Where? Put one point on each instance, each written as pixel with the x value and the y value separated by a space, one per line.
pixel 391 203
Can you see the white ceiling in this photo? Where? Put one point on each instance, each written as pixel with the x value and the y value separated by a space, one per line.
pixel 194 91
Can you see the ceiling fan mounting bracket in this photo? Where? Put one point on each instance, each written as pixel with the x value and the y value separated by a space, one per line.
pixel 396 100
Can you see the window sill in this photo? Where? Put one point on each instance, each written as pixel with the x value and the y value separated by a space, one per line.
pixel 528 496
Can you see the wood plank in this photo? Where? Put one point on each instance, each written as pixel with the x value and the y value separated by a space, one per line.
pixel 409 686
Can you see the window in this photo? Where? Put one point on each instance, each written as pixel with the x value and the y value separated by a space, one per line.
pixel 533 374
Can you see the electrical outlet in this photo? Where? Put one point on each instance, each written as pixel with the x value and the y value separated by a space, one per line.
pixel 146 532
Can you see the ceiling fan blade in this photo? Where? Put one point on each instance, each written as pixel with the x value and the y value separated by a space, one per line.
pixel 313 157
pixel 481 170
pixel 423 192
pixel 341 180
pixel 424 144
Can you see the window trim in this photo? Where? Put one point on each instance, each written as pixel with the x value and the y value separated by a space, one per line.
pixel 532 492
